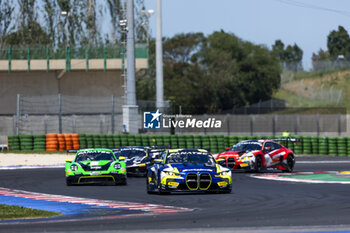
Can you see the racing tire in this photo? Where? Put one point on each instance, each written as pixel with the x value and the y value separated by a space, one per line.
pixel 290 164
pixel 149 191
pixel 147 187
pixel 163 192
pixel 68 182
pixel 227 191
pixel 258 164
pixel 122 182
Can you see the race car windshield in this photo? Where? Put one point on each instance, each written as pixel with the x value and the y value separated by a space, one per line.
pixel 190 158
pixel 246 146
pixel 131 153
pixel 95 156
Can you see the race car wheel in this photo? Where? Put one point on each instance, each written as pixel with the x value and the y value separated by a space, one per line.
pixel 123 182
pixel 290 164
pixel 258 164
pixel 162 192
pixel 149 191
pixel 227 191
pixel 68 182
pixel 148 185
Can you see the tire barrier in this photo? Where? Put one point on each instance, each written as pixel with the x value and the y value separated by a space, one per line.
pixel 52 143
pixel 61 142
pixel 309 145
pixel 39 142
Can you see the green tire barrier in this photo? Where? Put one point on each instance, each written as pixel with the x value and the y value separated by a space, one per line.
pixel 82 141
pixel 332 146
pixel 26 142
pixel 110 142
pixel 13 143
pixel 39 142
pixel 341 146
pixel 89 141
pixel 116 140
pixel 348 146
pixel 323 145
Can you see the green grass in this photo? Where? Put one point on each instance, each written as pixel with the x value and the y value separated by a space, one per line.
pixel 14 212
pixel 333 79
pixel 295 101
pixel 317 74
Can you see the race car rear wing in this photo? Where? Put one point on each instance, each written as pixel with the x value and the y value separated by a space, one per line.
pixel 295 140
pixel 150 148
pixel 72 151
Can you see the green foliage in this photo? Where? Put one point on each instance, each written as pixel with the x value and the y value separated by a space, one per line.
pixel 338 43
pixel 41 22
pixel 212 74
pixel 30 34
pixel 6 13
pixel 290 57
pixel 13 212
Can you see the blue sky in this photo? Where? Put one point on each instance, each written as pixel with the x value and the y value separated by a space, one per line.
pixel 304 22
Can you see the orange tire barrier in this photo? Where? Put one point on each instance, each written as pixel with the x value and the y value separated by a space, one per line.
pixel 51 142
pixel 75 140
pixel 69 142
pixel 61 142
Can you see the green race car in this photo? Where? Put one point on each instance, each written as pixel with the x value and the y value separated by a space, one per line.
pixel 95 165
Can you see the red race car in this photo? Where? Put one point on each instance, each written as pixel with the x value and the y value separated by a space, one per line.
pixel 257 155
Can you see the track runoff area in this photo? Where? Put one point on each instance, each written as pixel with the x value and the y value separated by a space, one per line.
pixel 314 198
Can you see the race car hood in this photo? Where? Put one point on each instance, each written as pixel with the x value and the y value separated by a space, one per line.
pixel 133 160
pixel 101 165
pixel 184 168
pixel 229 153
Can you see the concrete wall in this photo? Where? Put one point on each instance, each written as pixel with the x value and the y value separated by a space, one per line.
pixel 76 64
pixel 74 83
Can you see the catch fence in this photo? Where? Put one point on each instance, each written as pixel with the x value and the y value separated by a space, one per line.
pixel 103 115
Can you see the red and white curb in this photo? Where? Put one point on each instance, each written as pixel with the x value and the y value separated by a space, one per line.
pixel 148 209
pixel 278 177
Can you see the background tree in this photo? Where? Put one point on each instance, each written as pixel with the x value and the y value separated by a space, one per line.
pixel 338 43
pixel 212 74
pixel 293 58
pixel 290 57
pixel 41 22
pixel 321 60
pixel 6 15
pixel 279 50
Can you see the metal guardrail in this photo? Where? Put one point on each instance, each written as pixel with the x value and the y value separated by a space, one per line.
pixel 68 53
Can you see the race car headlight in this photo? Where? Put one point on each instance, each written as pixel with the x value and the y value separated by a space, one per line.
pixel 172 173
pixel 228 173
pixel 117 166
pixel 248 157
pixel 74 167
pixel 169 173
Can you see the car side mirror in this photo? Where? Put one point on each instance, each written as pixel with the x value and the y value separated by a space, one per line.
pixel 158 161
pixel 68 160
pixel 227 149
pixel 121 158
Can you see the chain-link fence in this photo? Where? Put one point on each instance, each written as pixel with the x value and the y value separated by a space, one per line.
pixel 74 114
pixel 71 114
pixel 103 115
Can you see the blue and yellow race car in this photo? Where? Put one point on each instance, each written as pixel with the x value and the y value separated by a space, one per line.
pixel 188 170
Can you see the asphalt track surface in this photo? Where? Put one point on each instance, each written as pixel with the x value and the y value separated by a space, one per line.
pixel 254 204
